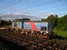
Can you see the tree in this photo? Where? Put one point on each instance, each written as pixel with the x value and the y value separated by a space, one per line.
pixel 9 22
pixel 23 19
pixel 52 19
pixel 44 20
pixel 62 23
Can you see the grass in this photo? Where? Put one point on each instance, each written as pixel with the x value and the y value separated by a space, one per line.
pixel 60 32
pixel 8 26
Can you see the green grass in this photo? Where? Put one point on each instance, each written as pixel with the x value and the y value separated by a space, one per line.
pixel 60 32
pixel 8 26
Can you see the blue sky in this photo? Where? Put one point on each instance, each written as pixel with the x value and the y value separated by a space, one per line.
pixel 38 8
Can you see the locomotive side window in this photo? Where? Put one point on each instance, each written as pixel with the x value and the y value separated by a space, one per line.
pixel 43 28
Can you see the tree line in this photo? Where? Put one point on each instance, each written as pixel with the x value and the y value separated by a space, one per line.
pixel 5 23
pixel 60 24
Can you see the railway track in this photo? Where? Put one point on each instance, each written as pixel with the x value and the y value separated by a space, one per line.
pixel 32 40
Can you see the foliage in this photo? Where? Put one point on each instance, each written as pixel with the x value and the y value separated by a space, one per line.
pixel 60 24
pixel 59 32
pixel 52 19
pixel 5 23
pixel 24 19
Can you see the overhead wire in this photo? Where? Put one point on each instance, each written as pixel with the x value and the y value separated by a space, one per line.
pixel 51 3
pixel 10 4
pixel 44 5
pixel 7 3
pixel 26 7
pixel 40 5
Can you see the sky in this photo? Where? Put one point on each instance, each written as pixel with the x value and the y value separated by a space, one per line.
pixel 37 8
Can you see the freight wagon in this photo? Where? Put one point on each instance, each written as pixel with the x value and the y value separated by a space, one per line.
pixel 42 26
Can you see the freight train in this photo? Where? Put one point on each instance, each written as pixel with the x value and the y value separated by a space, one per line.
pixel 44 28
pixel 37 26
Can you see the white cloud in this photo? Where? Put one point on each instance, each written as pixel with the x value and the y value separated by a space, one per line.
pixel 22 13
